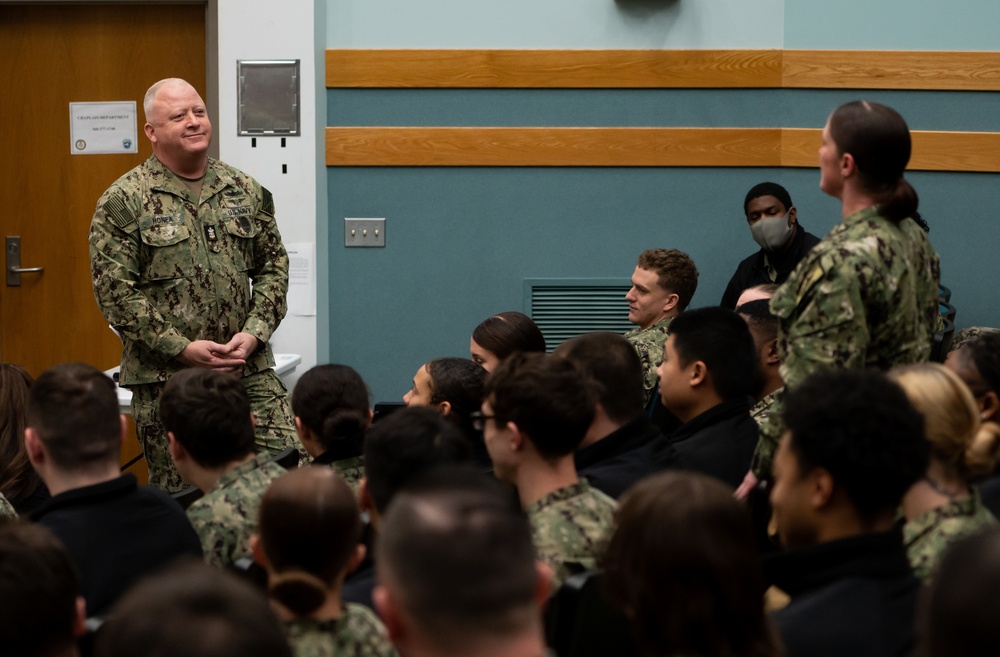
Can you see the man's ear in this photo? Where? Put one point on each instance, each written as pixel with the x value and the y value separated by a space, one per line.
pixel 124 429
pixel 772 356
pixel 388 610
pixel 671 302
pixel 356 558
pixel 444 408
pixel 253 420
pixel 543 583
pixel 148 129
pixel 821 487
pixel 80 617
pixel 257 550
pixel 515 438
pixel 989 406
pixel 177 451
pixel 847 165
pixel 33 445
pixel 698 373
pixel 792 214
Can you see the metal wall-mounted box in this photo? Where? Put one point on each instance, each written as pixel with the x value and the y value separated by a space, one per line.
pixel 364 232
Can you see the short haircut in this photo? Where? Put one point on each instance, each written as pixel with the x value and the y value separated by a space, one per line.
pixel 507 332
pixel 675 272
pixel 613 365
pixel 193 610
pixel 861 428
pixel 208 412
pixel 768 189
pixel 457 553
pixel 332 401
pixel 984 353
pixel 406 443
pixel 38 587
pixel 458 381
pixel 760 318
pixel 74 409
pixel 683 563
pixel 721 339
pixel 958 616
pixel 309 527
pixel 547 397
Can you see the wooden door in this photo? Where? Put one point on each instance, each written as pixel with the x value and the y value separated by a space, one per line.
pixel 53 55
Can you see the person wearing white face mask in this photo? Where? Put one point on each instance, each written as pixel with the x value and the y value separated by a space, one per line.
pixel 783 242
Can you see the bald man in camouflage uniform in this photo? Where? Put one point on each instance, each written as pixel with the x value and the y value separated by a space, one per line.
pixel 175 245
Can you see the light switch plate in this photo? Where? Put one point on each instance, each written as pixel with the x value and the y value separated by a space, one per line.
pixel 364 232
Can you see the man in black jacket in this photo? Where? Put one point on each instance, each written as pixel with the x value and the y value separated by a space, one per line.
pixel 706 379
pixel 783 242
pixel 854 445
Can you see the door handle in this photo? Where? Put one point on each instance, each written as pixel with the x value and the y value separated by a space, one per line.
pixel 14 268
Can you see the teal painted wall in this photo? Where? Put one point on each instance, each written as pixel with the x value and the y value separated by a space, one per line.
pixel 460 241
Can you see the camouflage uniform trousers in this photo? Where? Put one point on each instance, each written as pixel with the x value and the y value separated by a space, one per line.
pixel 268 401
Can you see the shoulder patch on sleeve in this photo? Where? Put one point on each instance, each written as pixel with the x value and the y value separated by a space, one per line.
pixel 267 202
pixel 119 215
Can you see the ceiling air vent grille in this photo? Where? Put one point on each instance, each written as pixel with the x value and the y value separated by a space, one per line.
pixel 567 307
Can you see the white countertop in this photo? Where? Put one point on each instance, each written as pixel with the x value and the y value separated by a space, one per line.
pixel 283 364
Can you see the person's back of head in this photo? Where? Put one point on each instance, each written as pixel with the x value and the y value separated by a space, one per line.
pixel 457 385
pixel 196 611
pixel 958 616
pixel 404 444
pixel 959 442
pixel 675 272
pixel 499 336
pixel 308 528
pixel 332 402
pixel 208 413
pixel 612 364
pixel 40 612
pixel 17 478
pixel 858 431
pixel 73 411
pixel 681 537
pixel 720 339
pixel 763 326
pixel 977 362
pixel 547 397
pixel 456 559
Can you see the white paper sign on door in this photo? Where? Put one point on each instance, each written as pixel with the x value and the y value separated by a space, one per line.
pixel 103 128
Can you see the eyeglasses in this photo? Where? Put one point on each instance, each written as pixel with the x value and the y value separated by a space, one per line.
pixel 479 420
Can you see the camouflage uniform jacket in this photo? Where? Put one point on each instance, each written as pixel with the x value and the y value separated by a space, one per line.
pixel 648 343
pixel 865 296
pixel 6 508
pixel 357 633
pixel 351 468
pixel 226 516
pixel 970 333
pixel 168 268
pixel 767 445
pixel 928 536
pixel 570 528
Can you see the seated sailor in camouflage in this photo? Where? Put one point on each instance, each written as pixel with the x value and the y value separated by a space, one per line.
pixel 764 329
pixel 189 268
pixel 537 411
pixel 332 413
pixel 457 570
pixel 308 539
pixel 210 428
pixel 943 507
pixel 662 286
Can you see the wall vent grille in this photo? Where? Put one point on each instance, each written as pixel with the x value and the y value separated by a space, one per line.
pixel 567 307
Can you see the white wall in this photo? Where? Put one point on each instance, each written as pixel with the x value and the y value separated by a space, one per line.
pixel 267 30
pixel 626 24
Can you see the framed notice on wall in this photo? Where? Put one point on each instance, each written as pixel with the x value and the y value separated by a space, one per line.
pixel 103 128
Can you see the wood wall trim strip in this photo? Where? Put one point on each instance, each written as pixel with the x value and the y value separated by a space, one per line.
pixel 567 147
pixel 554 69
pixel 631 147
pixel 662 69
pixel 891 69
